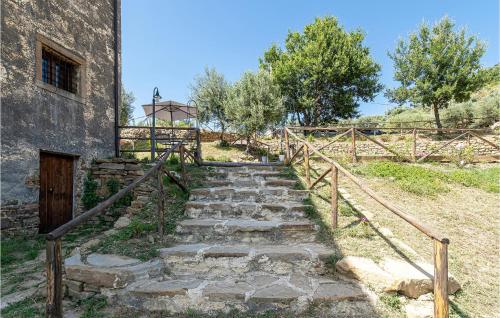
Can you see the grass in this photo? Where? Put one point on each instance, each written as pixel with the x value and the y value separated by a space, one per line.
pixel 426 181
pixel 15 250
pixel 466 212
pixel 28 308
pixel 92 307
pixel 140 238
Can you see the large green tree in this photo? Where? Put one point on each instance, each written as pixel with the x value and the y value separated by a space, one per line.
pixel 323 73
pixel 126 107
pixel 254 104
pixel 436 65
pixel 209 91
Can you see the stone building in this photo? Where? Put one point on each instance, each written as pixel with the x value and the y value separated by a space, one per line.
pixel 60 80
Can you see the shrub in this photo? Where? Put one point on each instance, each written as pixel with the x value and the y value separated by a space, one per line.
pixel 462 155
pixel 90 198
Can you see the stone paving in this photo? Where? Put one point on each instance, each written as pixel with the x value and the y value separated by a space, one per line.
pixel 245 245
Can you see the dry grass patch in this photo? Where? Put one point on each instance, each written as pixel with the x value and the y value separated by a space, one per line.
pixel 468 216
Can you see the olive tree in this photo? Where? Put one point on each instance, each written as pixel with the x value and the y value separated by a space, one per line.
pixel 209 92
pixel 254 104
pixel 436 65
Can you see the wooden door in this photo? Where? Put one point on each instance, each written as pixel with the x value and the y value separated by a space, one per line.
pixel 56 190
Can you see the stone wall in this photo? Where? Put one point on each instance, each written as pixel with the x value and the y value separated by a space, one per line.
pixel 36 116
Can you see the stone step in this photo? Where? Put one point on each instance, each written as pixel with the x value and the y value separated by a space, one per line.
pixel 253 183
pixel 250 231
pixel 253 291
pixel 249 194
pixel 250 168
pixel 219 260
pixel 245 210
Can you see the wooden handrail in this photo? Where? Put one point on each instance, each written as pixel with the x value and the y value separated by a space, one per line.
pixel 427 230
pixel 157 127
pixel 440 281
pixel 65 228
pixel 334 128
pixel 54 261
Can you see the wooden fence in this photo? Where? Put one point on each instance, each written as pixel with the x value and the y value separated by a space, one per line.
pixel 356 133
pixel 164 137
pixel 54 263
pixel 440 242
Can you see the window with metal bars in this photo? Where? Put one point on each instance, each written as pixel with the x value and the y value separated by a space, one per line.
pixel 59 71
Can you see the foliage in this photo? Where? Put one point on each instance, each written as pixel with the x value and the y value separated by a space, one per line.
pixel 323 72
pixel 486 179
pixel 391 300
pixel 93 307
pixel 26 308
pixel 410 178
pixel 15 250
pixel 437 65
pixel 210 94
pixel 429 182
pixel 90 198
pixel 126 107
pixel 113 186
pixel 254 104
pixel 462 155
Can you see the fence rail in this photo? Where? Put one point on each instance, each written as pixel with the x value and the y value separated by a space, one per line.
pixel 54 238
pixel 357 132
pixel 441 305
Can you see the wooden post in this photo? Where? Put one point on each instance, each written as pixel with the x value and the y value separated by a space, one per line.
pixel 53 307
pixel 335 208
pixel 198 147
pixel 287 148
pixel 414 148
pixel 161 198
pixel 441 309
pixel 306 165
pixel 153 143
pixel 183 163
pixel 353 144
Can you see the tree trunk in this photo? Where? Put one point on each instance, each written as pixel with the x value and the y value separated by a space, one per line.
pixel 435 108
pixel 248 145
pixel 222 129
pixel 436 115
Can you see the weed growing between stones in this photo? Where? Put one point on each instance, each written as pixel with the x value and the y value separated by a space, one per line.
pixel 92 307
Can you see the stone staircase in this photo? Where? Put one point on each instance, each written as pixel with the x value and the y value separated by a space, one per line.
pixel 247 245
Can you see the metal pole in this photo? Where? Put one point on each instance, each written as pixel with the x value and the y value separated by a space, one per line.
pixel 153 132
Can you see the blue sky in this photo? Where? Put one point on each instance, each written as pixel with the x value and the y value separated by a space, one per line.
pixel 166 43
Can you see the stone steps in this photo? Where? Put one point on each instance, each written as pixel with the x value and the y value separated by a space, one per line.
pixel 252 291
pixel 251 183
pixel 217 260
pixel 246 231
pixel 259 195
pixel 245 210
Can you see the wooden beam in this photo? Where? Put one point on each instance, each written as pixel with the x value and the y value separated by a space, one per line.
pixel 161 203
pixel 295 154
pixel 353 144
pixel 424 228
pixel 176 181
pixel 53 308
pixel 306 164
pixel 319 178
pixel 379 144
pixel 334 196
pixel 442 146
pixel 414 145
pixel 441 303
pixel 485 140
pixel 287 149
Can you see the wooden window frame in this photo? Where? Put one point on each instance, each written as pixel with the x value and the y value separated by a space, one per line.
pixel 43 42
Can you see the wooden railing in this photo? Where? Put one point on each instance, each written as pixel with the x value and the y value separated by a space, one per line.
pixel 163 136
pixel 357 132
pixel 54 249
pixel 440 242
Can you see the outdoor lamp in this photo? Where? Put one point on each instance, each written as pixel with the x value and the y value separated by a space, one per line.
pixel 156 94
